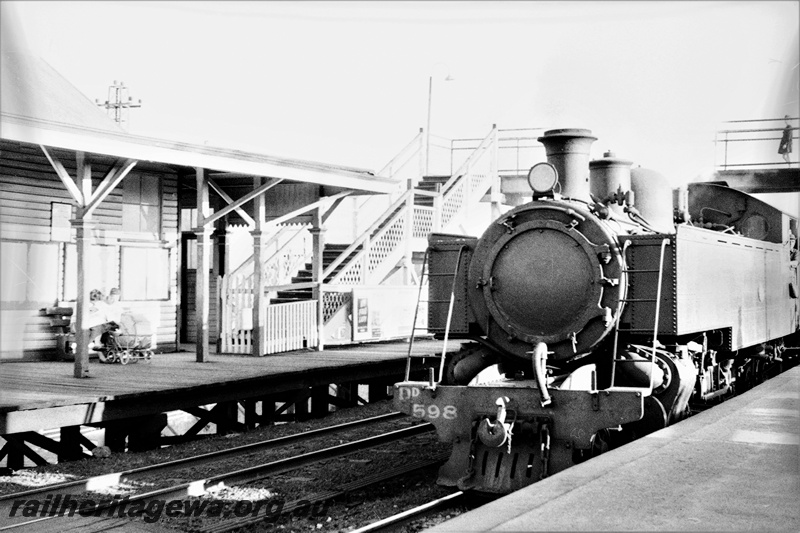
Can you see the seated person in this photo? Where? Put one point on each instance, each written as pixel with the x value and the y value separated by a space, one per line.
pixel 113 308
pixel 96 320
pixel 113 314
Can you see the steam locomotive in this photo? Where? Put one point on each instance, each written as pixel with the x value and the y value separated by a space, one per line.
pixel 607 306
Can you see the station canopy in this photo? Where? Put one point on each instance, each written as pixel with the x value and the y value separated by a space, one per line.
pixel 39 106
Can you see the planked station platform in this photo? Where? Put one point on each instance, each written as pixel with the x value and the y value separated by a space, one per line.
pixel 36 396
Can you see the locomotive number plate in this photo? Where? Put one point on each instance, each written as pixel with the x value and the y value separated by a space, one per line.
pixel 433 411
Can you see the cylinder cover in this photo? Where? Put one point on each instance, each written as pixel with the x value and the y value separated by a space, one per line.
pixel 547 271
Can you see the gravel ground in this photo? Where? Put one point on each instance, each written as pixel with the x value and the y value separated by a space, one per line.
pixel 359 508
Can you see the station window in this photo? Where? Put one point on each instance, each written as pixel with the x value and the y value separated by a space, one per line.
pixel 29 273
pixel 102 264
pixel 189 218
pixel 145 273
pixel 141 204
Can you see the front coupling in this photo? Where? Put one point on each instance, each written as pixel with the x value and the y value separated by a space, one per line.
pixel 497 433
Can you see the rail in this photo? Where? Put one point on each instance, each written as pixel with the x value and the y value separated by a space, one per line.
pixel 393 523
pixel 245 475
pixel 742 145
pixel 324 498
pixel 103 481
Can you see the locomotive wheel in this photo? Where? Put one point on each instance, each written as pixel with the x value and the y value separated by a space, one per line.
pixel 600 444
pixel 124 357
pixel 477 359
pixel 759 373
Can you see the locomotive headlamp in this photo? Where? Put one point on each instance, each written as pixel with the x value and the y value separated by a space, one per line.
pixel 542 177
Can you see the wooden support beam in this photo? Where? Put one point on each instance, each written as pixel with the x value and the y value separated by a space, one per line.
pixel 145 432
pixel 37 439
pixel 301 411
pixel 294 398
pixel 71 444
pixel 72 188
pixel 319 401
pixel 347 393
pixel 258 269
pixel 202 296
pixel 241 201
pixel 330 209
pixel 17 450
pixel 250 417
pixel 83 241
pixel 80 190
pixel 222 194
pixel 377 391
pixel 267 416
pixel 109 183
pixel 306 208
pixel 82 171
pixel 115 435
pixel 317 249
pixel 203 419
pixel 226 418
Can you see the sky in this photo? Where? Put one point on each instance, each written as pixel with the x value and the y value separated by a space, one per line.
pixel 347 82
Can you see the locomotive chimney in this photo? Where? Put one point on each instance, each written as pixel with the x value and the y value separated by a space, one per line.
pixel 568 151
pixel 610 178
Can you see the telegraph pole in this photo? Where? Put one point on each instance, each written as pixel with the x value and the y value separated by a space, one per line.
pixel 118 102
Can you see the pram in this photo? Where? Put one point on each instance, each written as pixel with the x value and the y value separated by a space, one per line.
pixel 131 340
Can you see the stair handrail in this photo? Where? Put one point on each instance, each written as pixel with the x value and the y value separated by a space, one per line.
pixel 367 233
pixel 363 255
pixel 291 239
pixel 403 198
pixel 414 143
pixel 281 230
pixel 478 152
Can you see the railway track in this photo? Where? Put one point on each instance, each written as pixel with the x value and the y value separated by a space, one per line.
pixel 321 501
pixel 393 522
pixel 197 487
pixel 134 475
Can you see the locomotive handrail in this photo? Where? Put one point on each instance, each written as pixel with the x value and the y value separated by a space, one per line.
pixel 620 303
pixel 660 270
pixel 450 311
pixel 416 312
pixel 664 243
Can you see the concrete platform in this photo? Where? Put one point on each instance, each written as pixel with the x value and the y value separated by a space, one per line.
pixel 735 467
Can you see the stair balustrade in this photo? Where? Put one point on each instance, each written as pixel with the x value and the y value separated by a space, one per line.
pixel 291 250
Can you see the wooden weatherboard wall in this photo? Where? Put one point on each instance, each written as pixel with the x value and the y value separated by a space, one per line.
pixel 136 232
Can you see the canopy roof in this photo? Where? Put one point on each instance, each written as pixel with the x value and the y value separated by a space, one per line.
pixel 39 106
